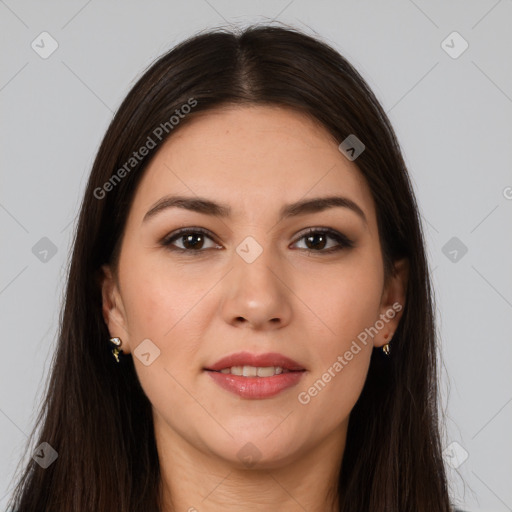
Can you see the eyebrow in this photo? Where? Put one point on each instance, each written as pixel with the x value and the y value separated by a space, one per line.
pixel 208 207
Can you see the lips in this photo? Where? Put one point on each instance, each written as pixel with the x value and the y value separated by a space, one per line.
pixel 257 360
pixel 256 387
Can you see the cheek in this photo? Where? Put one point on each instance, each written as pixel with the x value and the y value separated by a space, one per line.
pixel 162 305
pixel 165 304
pixel 346 305
pixel 159 297
pixel 346 298
pixel 341 355
pixel 327 399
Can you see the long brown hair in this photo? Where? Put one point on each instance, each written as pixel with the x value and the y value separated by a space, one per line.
pixel 96 415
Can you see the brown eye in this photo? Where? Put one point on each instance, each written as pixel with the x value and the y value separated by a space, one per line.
pixel 317 240
pixel 193 241
pixel 189 240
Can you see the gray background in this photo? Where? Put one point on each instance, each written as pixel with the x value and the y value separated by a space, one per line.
pixel 452 117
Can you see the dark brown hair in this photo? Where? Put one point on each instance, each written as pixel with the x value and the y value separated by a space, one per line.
pixel 96 415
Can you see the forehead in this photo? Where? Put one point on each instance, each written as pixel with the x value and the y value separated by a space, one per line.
pixel 257 157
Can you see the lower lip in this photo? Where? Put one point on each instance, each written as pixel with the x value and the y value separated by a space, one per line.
pixel 256 387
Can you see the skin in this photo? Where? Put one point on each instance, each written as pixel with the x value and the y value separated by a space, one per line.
pixel 197 308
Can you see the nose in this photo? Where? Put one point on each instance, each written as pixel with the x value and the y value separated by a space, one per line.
pixel 256 294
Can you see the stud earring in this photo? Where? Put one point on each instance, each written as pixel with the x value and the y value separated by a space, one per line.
pixel 386 348
pixel 116 349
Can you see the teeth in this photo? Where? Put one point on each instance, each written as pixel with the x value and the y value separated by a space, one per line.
pixel 253 371
pixel 250 371
pixel 269 371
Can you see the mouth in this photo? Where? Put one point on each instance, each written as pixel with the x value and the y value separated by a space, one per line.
pixel 256 376
pixel 244 363
pixel 254 371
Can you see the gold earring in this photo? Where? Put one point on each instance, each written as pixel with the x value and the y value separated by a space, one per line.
pixel 386 348
pixel 116 350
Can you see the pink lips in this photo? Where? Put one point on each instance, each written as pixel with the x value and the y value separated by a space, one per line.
pixel 248 359
pixel 256 387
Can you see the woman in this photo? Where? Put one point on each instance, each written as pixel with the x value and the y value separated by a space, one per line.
pixel 248 323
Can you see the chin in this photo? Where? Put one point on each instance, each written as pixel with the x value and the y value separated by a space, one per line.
pixel 257 450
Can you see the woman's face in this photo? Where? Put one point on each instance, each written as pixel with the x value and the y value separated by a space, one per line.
pixel 252 281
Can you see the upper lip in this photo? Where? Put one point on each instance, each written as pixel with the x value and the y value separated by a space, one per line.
pixel 258 360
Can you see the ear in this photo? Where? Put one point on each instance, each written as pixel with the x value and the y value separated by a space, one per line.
pixel 112 307
pixel 392 302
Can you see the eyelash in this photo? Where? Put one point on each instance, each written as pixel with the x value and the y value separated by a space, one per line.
pixel 343 241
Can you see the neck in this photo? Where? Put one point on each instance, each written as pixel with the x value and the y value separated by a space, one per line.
pixel 193 481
